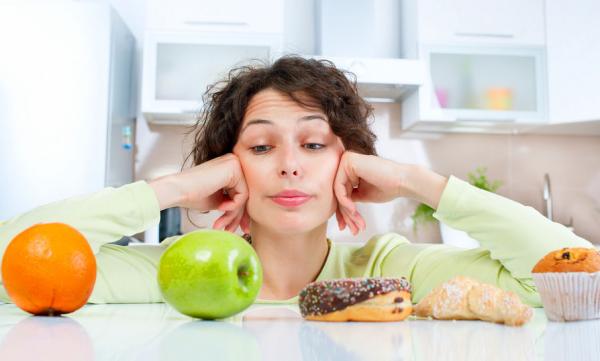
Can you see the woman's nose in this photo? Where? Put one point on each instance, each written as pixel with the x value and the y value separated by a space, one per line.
pixel 285 172
pixel 289 165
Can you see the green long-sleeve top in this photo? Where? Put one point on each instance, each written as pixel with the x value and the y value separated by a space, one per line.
pixel 512 239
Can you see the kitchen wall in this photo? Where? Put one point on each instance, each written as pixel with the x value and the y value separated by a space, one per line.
pixel 519 161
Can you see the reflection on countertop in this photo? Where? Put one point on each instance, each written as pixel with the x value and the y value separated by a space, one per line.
pixel 275 332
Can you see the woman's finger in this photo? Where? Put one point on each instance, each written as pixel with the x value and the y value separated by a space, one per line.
pixel 234 207
pixel 351 216
pixel 342 190
pixel 360 221
pixel 340 219
pixel 227 205
pixel 233 199
pixel 240 200
pixel 237 185
pixel 350 222
pixel 245 222
pixel 224 220
pixel 345 206
pixel 357 219
pixel 235 222
pixel 217 223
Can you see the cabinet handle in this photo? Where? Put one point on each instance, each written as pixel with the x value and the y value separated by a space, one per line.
pixel 218 23
pixel 498 120
pixel 485 35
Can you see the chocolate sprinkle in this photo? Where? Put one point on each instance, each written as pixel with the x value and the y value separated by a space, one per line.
pixel 322 297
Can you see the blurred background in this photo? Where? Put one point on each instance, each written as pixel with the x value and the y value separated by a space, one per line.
pixel 503 94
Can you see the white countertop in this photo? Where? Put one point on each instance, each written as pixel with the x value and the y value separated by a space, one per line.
pixel 270 332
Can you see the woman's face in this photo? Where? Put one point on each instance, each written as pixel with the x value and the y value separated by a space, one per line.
pixel 283 146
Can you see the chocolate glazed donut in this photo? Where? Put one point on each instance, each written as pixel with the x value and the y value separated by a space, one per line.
pixel 356 299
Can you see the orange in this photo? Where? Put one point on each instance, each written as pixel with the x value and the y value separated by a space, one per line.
pixel 49 269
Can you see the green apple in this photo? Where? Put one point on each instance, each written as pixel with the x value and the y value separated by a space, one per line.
pixel 209 274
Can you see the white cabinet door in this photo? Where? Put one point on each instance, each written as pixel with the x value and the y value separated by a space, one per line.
pixel 481 21
pixel 479 89
pixel 178 68
pixel 573 53
pixel 263 16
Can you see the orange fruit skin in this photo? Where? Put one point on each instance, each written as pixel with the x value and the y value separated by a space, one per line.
pixel 49 269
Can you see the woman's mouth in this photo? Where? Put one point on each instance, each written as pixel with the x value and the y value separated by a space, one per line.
pixel 291 201
pixel 291 198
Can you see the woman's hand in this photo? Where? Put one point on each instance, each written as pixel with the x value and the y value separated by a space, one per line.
pixel 369 178
pixel 217 184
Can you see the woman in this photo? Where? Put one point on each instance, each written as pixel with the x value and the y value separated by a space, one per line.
pixel 298 128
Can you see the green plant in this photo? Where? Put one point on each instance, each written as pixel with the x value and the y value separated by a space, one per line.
pixel 424 213
pixel 480 180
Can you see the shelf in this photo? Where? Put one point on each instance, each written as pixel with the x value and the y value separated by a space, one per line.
pixel 589 128
pixel 159 118
pixel 381 79
pixel 468 126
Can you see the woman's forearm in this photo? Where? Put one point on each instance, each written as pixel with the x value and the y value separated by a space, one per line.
pixel 515 235
pixel 103 216
pixel 167 191
pixel 424 185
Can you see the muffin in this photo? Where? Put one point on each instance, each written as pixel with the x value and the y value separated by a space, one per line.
pixel 568 281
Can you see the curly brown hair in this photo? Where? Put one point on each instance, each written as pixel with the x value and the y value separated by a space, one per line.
pixel 326 88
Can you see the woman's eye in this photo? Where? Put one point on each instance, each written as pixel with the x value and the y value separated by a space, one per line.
pixel 258 149
pixel 314 146
pixel 261 148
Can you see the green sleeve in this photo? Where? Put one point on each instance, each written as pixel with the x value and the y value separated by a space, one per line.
pixel 125 274
pixel 512 238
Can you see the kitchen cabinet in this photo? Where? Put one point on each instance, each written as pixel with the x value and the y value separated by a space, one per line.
pixel 191 44
pixel 358 28
pixel 178 68
pixel 512 22
pixel 479 89
pixel 380 79
pixel 573 48
pixel 263 16
pixel 573 55
pixel 362 38
pixel 484 74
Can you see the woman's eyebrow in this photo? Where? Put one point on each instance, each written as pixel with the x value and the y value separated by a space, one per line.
pixel 266 121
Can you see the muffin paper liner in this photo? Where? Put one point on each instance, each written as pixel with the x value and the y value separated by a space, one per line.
pixel 569 296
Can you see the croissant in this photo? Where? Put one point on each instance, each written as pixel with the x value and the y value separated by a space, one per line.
pixel 463 298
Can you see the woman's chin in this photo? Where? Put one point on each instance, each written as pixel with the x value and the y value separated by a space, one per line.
pixel 290 228
pixel 278 219
pixel 291 225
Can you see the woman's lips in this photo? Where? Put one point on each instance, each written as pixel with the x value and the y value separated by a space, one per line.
pixel 290 201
